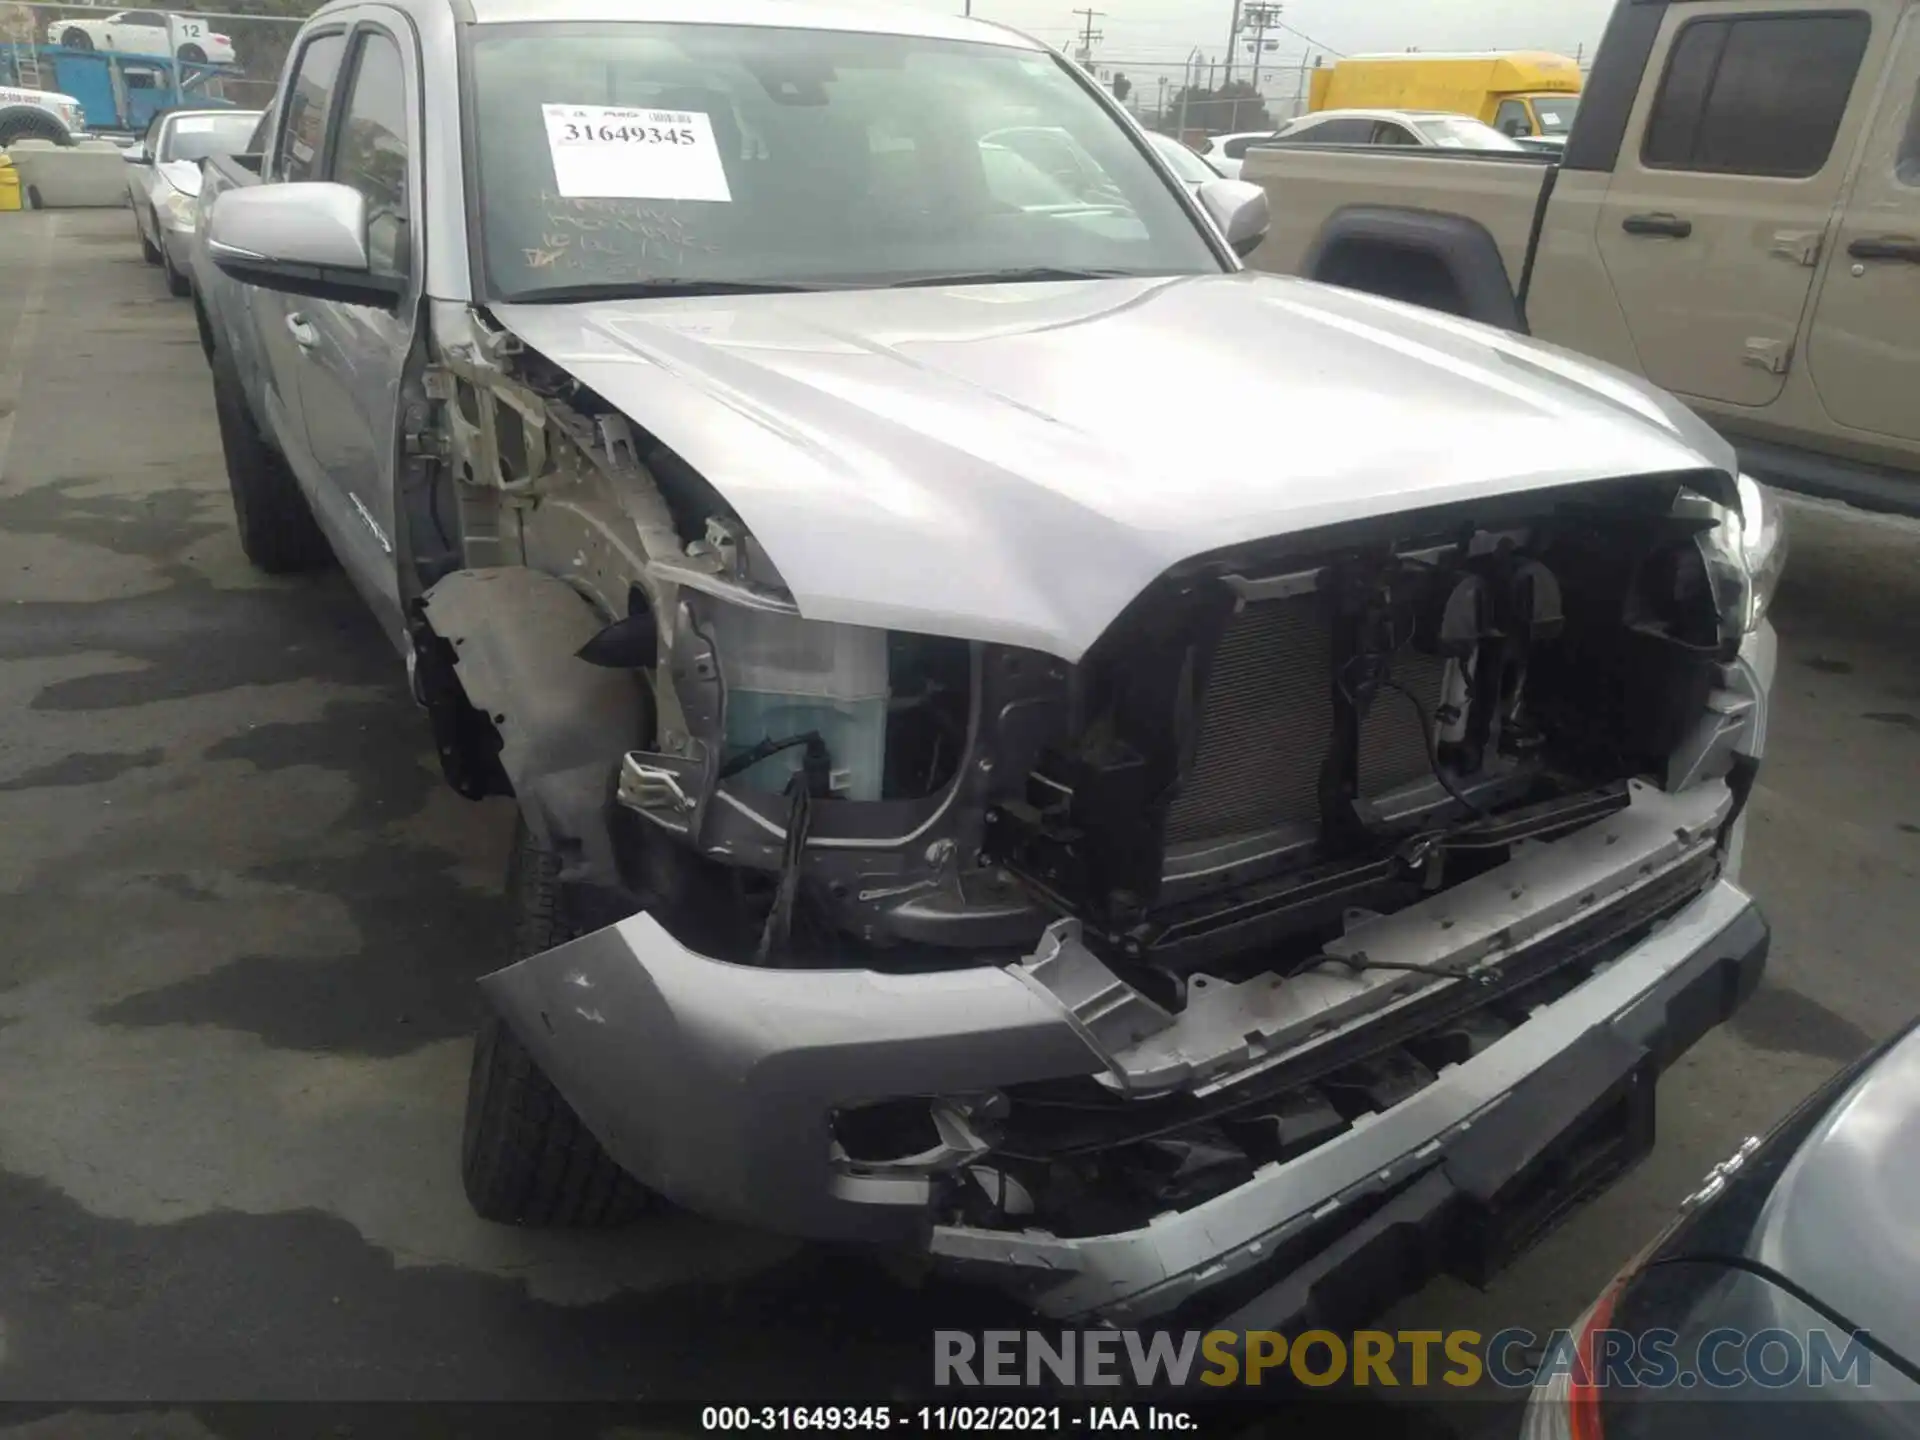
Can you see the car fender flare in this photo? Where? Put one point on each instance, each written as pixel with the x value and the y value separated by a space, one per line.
pixel 507 639
pixel 1464 248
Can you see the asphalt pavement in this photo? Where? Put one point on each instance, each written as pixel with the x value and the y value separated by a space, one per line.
pixel 240 917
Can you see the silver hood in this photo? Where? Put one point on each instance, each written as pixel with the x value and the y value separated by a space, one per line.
pixel 1017 462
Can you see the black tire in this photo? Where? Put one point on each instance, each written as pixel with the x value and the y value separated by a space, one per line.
pixel 525 1156
pixel 149 251
pixel 77 39
pixel 177 284
pixel 32 125
pixel 193 55
pixel 277 529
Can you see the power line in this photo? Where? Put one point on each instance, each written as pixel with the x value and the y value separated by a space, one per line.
pixel 1319 44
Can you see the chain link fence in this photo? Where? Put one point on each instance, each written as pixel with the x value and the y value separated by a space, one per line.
pixel 1194 99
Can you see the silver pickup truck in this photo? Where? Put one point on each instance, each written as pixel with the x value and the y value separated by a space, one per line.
pixel 966 806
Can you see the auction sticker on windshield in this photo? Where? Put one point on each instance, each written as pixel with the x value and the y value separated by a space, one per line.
pixel 602 152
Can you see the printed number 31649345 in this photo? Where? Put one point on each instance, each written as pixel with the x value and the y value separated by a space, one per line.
pixel 580 133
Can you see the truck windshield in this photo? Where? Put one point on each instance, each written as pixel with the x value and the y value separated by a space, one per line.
pixel 680 156
pixel 1556 115
pixel 196 137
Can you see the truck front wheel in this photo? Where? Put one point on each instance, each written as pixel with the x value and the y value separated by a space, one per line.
pixel 277 529
pixel 525 1156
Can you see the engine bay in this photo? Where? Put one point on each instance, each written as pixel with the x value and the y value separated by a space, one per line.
pixel 1265 743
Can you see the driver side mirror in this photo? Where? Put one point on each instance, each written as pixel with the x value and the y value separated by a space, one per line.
pixel 300 238
pixel 1240 209
pixel 137 154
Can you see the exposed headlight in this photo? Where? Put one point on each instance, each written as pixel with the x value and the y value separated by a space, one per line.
pixel 1757 536
pixel 177 210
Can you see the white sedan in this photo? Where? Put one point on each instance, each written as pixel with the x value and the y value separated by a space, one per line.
pixel 163 181
pixel 146 32
pixel 1225 152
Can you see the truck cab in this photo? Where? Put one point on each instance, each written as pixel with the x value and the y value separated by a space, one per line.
pixel 1736 218
pixel 1741 223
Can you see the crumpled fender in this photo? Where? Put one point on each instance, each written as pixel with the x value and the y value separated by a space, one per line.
pixel 563 723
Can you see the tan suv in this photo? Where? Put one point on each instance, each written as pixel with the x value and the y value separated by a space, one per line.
pixel 1736 217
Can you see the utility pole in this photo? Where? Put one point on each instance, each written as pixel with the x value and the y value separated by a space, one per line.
pixel 1262 18
pixel 1088 34
pixel 1233 39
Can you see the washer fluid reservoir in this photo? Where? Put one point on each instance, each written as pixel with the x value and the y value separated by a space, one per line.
pixel 785 677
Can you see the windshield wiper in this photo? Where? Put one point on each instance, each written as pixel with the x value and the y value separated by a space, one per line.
pixel 1014 277
pixel 649 290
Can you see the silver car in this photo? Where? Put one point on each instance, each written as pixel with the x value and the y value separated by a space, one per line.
pixel 163 181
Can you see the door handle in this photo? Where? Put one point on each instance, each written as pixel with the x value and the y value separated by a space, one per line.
pixel 1660 224
pixel 304 335
pixel 1886 247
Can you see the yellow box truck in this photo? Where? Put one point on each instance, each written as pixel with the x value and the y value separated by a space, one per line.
pixel 1522 92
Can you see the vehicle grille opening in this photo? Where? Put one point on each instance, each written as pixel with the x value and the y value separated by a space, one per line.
pixel 1267 721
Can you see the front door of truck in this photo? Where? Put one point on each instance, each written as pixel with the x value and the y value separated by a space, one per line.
pixel 266 338
pixel 356 354
pixel 1718 211
pixel 1865 350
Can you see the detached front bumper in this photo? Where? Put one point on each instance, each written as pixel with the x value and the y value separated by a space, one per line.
pixel 716 1084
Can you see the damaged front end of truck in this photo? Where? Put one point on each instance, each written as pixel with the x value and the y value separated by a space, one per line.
pixel 1106 978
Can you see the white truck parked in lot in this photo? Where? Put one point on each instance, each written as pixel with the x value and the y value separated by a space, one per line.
pixel 39 115
pixel 964 805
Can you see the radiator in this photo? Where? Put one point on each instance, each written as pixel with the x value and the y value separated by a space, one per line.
pixel 1266 722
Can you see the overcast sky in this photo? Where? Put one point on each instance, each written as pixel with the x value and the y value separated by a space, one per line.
pixel 1169 29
